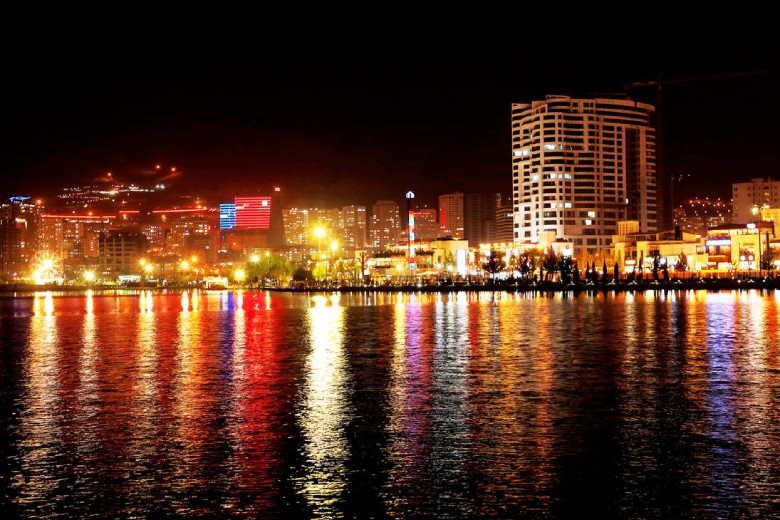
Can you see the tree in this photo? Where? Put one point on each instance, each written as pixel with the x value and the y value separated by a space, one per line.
pixel 604 272
pixel 576 273
pixel 641 274
pixel 565 266
pixel 550 262
pixel 527 263
pixel 616 272
pixel 656 263
pixel 495 264
pixel 271 267
pixel 302 275
pixel 320 272
pixel 682 262
pixel 767 257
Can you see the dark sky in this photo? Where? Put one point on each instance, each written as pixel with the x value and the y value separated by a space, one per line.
pixel 336 126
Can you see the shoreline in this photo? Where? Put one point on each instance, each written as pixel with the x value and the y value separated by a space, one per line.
pixel 719 284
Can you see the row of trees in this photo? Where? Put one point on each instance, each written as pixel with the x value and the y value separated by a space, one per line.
pixel 540 265
pixel 548 265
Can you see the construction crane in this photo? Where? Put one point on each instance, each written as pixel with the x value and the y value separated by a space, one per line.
pixel 666 183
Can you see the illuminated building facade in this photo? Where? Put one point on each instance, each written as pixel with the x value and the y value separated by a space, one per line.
pixel 121 250
pixel 426 227
pixel 451 215
pixel 20 224
pixel 739 246
pixel 581 165
pixel 253 213
pixel 758 193
pixel 251 222
pixel 502 232
pixel 296 226
pixel 385 225
pixel 183 232
pixel 227 216
pixel 74 237
pixel 353 226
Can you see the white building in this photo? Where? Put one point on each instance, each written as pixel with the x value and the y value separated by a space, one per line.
pixel 580 166
pixel 758 193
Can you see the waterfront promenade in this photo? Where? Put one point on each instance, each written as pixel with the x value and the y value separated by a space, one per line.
pixel 711 284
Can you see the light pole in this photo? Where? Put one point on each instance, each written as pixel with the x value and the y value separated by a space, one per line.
pixel 319 232
pixel 410 232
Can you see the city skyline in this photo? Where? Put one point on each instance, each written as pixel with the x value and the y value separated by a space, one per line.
pixel 345 132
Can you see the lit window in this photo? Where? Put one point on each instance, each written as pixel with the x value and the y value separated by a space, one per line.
pixel 549 147
pixel 588 222
pixel 592 214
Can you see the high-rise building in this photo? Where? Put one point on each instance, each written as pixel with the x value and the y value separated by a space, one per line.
pixel 183 232
pixel 121 250
pixel 579 166
pixel 451 215
pixel 20 224
pixel 385 224
pixel 296 225
pixel 426 227
pixel 353 223
pixel 73 237
pixel 502 232
pixel 479 217
pixel 749 197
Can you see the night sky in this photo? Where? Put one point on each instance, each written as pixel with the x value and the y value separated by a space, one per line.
pixel 334 127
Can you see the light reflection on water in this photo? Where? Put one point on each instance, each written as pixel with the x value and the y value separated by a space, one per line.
pixel 393 405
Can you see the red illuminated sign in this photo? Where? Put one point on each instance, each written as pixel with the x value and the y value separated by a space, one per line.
pixel 253 212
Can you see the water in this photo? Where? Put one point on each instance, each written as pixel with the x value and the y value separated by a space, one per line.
pixel 363 405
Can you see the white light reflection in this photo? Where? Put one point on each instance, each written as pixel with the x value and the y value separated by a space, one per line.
pixel 325 412
pixel 146 408
pixel 89 303
pixel 40 423
pixel 450 407
pixel 87 413
pixel 409 425
pixel 46 307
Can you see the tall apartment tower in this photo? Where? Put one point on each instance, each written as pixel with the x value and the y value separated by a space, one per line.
pixel 20 226
pixel 502 232
pixel 579 166
pixel 385 224
pixel 451 215
pixel 758 193
pixel 426 228
pixel 353 221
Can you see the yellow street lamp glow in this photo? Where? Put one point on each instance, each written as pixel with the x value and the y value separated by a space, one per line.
pixel 334 246
pixel 184 264
pixel 319 232
pixel 255 258
pixel 148 268
pixel 89 275
pixel 239 275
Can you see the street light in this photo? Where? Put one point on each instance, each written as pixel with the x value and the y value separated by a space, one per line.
pixel 319 232
pixel 410 231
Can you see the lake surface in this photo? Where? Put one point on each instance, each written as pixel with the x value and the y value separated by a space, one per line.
pixel 391 405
